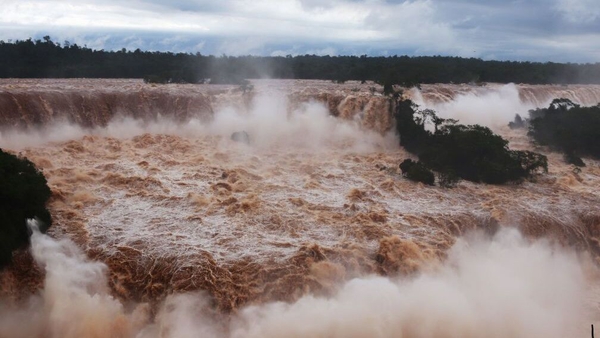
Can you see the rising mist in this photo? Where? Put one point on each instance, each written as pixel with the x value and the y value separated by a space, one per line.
pixel 165 227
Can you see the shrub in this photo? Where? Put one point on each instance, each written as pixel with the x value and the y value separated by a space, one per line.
pixel 23 195
pixel 160 79
pixel 448 179
pixel 246 86
pixel 417 171
pixel 518 123
pixel 571 158
pixel 181 76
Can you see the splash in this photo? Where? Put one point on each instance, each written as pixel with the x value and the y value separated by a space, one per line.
pixel 94 103
pixel 263 219
pixel 497 287
pixel 75 300
pixel 494 105
pixel 313 212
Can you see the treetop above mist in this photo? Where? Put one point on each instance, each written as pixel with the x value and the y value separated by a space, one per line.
pixel 567 127
pixel 457 151
pixel 48 59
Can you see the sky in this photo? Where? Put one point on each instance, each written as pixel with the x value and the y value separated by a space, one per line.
pixel 520 30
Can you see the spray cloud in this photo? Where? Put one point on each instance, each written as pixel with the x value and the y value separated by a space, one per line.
pixel 501 287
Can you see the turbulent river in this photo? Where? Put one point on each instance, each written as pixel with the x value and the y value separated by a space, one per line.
pixel 165 227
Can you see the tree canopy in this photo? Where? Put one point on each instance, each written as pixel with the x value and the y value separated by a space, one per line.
pixel 23 195
pixel 457 151
pixel 48 59
pixel 417 171
pixel 567 127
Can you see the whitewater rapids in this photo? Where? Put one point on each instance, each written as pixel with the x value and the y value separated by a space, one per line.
pixel 171 229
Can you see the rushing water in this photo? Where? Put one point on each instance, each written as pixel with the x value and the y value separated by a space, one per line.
pixel 165 227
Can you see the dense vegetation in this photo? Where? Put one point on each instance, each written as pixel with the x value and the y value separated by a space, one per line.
pixel 567 127
pixel 457 151
pixel 47 59
pixel 417 171
pixel 23 195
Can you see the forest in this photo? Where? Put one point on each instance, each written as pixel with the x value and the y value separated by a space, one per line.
pixel 48 59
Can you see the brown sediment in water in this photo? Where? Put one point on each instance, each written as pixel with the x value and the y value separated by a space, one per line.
pixel 177 212
pixel 91 103
pixel 95 104
pixel 397 255
pixel 251 232
pixel 535 95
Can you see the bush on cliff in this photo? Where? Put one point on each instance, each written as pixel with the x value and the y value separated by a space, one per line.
pixel 471 152
pixel 417 171
pixel 172 77
pixel 517 123
pixel 23 195
pixel 157 79
pixel 567 127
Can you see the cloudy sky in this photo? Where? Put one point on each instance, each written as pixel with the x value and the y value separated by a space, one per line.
pixel 535 30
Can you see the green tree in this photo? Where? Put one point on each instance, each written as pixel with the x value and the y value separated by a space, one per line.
pixel 455 151
pixel 23 195
pixel 567 127
pixel 417 171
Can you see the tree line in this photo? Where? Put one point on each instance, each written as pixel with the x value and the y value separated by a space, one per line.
pixel 48 59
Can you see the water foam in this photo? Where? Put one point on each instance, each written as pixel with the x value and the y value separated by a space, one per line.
pixel 498 287
pixel 303 209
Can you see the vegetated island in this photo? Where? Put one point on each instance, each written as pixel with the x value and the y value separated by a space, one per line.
pixel 566 127
pixel 457 151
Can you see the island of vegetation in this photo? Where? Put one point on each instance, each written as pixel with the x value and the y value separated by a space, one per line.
pixel 566 127
pixel 457 151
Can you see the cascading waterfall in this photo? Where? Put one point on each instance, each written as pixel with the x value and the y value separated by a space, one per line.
pixel 165 227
